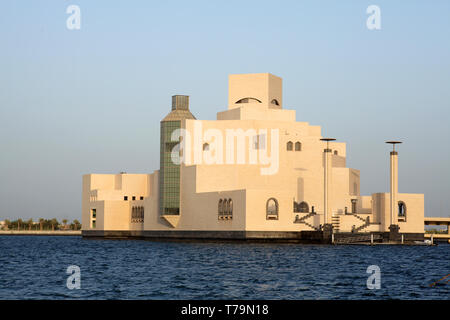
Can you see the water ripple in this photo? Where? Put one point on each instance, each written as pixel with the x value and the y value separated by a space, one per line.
pixel 35 268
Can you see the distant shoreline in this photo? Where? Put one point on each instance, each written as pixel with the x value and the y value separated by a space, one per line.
pixel 40 233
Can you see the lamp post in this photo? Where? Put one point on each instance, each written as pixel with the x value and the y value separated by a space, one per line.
pixel 327 183
pixel 393 228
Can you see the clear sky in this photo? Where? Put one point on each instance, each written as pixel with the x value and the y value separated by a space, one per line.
pixel 90 100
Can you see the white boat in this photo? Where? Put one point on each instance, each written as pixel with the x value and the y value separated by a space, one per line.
pixel 424 243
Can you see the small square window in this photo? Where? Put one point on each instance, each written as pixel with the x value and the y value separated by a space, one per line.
pixel 133 198
pixel 142 198
pixel 125 198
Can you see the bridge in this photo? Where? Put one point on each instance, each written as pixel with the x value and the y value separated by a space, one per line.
pixel 438 221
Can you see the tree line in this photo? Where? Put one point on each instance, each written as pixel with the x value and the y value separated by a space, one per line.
pixel 41 225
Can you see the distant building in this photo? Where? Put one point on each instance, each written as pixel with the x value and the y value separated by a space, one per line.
pixel 255 172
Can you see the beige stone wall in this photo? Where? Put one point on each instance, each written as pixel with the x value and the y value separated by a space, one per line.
pixel 256 212
pixel 105 193
pixel 414 213
pixel 262 86
pixel 299 176
pixel 346 222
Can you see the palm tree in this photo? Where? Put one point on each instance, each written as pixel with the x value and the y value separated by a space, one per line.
pixel 19 221
pixel 76 223
pixel 64 223
pixel 30 223
pixel 54 223
pixel 41 222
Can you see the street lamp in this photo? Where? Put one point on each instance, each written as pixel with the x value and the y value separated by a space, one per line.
pixel 394 187
pixel 327 180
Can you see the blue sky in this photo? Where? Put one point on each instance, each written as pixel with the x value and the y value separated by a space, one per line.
pixel 90 100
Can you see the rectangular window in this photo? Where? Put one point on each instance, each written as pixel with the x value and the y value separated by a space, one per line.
pixel 142 198
pixel 353 205
pixel 93 218
pixel 125 198
pixel 259 142
pixel 133 198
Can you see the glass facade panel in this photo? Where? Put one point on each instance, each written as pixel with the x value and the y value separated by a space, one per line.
pixel 169 187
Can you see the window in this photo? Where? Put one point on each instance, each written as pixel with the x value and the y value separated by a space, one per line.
pixel 137 214
pixel 93 218
pixel 220 209
pixel 225 209
pixel 248 100
pixel 230 209
pixel 401 211
pixel 336 152
pixel 125 198
pixel 275 102
pixel 259 142
pixel 206 147
pixel 272 209
pixel 303 207
pixel 289 146
pixel 133 198
pixel 298 146
pixel 353 205
pixel 142 198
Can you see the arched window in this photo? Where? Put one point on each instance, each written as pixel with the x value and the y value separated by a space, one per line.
pixel 272 209
pixel 220 209
pixel 354 201
pixel 275 102
pixel 298 146
pixel 206 147
pixel 225 208
pixel 248 100
pixel 289 146
pixel 401 211
pixel 303 207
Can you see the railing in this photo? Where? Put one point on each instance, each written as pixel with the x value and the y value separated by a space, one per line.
pixel 307 216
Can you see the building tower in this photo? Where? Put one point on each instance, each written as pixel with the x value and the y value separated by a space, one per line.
pixel 169 173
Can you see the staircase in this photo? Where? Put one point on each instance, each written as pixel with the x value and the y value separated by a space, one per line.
pixel 364 225
pixel 302 220
pixel 311 226
pixel 335 221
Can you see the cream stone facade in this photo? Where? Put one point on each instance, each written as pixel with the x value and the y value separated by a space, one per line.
pixel 254 173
